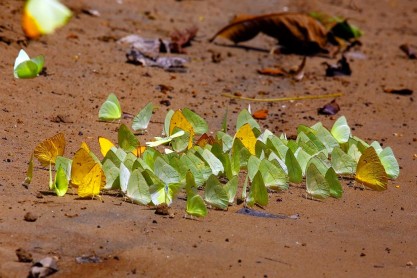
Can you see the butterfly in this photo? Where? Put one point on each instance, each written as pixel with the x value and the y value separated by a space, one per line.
pixel 47 151
pixel 24 67
pixel 341 130
pixel 370 170
pixel 92 182
pixel 247 137
pixel 82 163
pixel 110 110
pixel 43 17
pixel 178 120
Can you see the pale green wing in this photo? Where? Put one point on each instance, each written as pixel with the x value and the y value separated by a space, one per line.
pixel 341 130
pixel 110 110
pixel 335 187
pixel 215 194
pixel 343 163
pixel 390 163
pixel 273 175
pixel 61 182
pixel 138 189
pixel 316 184
pixel 142 119
pixel 200 126
pixel 258 193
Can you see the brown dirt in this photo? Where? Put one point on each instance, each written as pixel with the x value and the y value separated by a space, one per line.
pixel 365 234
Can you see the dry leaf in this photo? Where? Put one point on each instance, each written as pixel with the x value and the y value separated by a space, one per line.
pixel 273 71
pixel 330 108
pixel 205 139
pixel 403 92
pixel 261 114
pixel 172 64
pixel 298 33
pixel 341 68
pixel 409 50
pixel 179 39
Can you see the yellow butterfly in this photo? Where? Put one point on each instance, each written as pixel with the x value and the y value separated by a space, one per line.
pixel 47 151
pixel 178 120
pixel 370 170
pixel 92 183
pixel 106 145
pixel 82 163
pixel 247 137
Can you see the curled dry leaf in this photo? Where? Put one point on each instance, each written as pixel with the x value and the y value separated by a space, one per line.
pixel 341 68
pixel 330 108
pixel 205 139
pixel 181 39
pixel 261 114
pixel 297 32
pixel 409 50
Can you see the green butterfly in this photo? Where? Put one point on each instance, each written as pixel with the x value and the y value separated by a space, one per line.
pixel 341 130
pixel 110 110
pixel 24 67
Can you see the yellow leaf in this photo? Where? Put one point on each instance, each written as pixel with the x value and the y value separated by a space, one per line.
pixel 247 137
pixel 47 151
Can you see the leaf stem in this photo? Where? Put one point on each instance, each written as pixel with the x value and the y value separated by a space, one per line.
pixel 284 98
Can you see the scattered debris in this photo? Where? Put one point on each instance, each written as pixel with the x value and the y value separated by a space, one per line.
pixel 162 209
pixel 297 74
pixel 341 68
pixel 330 108
pixel 409 50
pixel 23 256
pixel 251 212
pixel 403 92
pixel 43 268
pixel 171 64
pixel 30 217
pixel 91 12
pixel 93 259
pixel 149 47
pixel 261 114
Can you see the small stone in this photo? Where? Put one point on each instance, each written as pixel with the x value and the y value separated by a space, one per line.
pixel 30 217
pixel 410 263
pixel 23 256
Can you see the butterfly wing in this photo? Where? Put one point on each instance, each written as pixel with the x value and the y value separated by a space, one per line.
pixel 316 183
pixel 247 137
pixel 91 183
pixel 341 130
pixel 47 151
pixel 110 110
pixel 43 17
pixel 82 164
pixel 370 171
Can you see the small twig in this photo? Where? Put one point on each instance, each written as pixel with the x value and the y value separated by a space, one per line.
pixel 283 98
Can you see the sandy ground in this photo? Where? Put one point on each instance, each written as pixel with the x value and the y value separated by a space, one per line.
pixel 364 234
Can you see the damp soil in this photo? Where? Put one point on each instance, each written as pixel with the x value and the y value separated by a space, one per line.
pixel 363 234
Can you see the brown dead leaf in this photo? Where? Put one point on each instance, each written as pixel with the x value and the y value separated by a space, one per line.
pixel 181 39
pixel 409 50
pixel 299 33
pixel 261 114
pixel 205 139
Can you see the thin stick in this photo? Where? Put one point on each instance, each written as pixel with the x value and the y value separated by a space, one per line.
pixel 283 98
